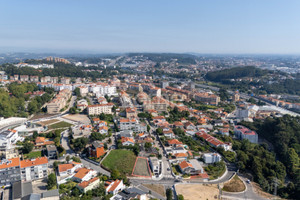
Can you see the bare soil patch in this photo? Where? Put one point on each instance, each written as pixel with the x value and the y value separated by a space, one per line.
pixel 141 167
pixel 198 191
pixel 160 189
pixel 79 118
pixel 51 121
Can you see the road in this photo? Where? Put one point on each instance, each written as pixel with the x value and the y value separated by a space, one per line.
pixel 248 194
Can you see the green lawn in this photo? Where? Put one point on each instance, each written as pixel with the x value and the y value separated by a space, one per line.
pixel 61 124
pixel 33 154
pixel 120 159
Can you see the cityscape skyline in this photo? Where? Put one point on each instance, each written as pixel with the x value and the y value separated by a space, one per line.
pixel 231 27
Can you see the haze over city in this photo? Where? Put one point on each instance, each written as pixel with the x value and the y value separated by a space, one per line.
pixel 232 26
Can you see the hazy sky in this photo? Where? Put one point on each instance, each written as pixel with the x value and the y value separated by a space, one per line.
pixel 203 26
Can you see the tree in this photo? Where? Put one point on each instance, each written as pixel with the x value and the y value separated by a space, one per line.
pixel 77 92
pixel 51 181
pixel 115 174
pixel 169 194
pixel 27 147
pixel 73 110
pixel 35 135
pixel 148 128
pixel 180 197
pixel 148 145
pixel 68 158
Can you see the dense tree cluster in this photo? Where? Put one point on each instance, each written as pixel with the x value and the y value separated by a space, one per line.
pixel 284 134
pixel 234 73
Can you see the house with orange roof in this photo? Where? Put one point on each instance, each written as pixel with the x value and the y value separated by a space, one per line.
pixel 88 185
pixel 103 130
pixel 42 141
pixel 178 124
pixel 192 167
pixel 69 168
pixel 181 156
pixel 84 174
pixel 174 143
pixel 33 169
pixel 126 141
pixel 113 187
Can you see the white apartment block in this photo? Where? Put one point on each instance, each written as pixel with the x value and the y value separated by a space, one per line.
pixel 34 169
pixel 100 108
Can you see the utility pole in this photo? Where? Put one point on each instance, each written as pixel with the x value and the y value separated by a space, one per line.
pixel 276 183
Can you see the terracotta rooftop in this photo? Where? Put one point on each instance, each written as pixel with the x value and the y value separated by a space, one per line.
pixel 34 162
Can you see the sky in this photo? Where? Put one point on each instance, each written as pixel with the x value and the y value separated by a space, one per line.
pixel 117 26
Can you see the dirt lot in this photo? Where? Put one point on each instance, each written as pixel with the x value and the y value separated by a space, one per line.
pixel 234 185
pixel 51 121
pixel 79 118
pixel 198 191
pixel 160 189
pixel 141 167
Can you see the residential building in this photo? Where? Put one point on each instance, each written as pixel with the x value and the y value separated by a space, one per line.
pixel 82 104
pixel 9 171
pixel 130 194
pixel 113 187
pixel 192 167
pixel 69 168
pixel 59 102
pixel 24 78
pixel 243 133
pixel 100 108
pixel 210 158
pixel 88 185
pixel 33 169
pixel 131 113
pixel 154 164
pixel 96 149
pixel 207 98
pixel 52 152
pixel 84 90
pixel 132 124
pixel 8 138
pixel 42 141
pixel 127 141
pixel 84 174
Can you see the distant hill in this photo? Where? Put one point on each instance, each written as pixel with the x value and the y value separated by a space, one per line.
pixel 166 57
pixel 235 73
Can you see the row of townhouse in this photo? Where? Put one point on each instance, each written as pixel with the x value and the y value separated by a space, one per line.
pixel 13 170
pixel 59 102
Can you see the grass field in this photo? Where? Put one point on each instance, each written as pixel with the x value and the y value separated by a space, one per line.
pixel 33 154
pixel 120 159
pixel 141 167
pixel 234 185
pixel 61 124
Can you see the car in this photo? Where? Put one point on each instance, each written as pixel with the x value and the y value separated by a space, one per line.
pixel 248 181
pixel 168 169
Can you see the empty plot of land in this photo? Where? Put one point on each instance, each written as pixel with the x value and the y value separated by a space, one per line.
pixel 234 185
pixel 51 121
pixel 120 159
pixel 159 189
pixel 198 191
pixel 79 118
pixel 141 167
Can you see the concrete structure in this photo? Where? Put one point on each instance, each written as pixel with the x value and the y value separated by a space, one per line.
pixel 154 164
